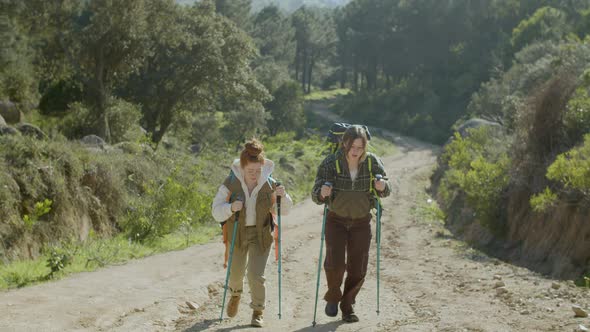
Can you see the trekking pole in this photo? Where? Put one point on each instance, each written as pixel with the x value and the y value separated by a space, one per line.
pixel 317 287
pixel 279 231
pixel 378 238
pixel 231 253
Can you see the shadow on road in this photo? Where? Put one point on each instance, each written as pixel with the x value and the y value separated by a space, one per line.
pixel 331 326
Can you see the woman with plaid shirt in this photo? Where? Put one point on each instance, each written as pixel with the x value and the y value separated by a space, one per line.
pixel 348 228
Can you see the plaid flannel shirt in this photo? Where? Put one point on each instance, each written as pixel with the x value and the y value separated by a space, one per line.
pixel 342 182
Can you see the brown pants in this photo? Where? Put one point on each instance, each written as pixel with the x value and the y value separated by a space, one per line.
pixel 350 238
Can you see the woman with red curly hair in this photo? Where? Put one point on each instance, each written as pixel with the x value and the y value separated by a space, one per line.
pixel 250 192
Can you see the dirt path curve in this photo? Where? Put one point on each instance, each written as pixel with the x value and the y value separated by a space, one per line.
pixel 429 281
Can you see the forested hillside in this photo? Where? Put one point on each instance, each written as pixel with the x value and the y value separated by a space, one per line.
pixel 285 5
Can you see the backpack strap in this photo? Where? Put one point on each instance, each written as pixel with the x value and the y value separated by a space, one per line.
pixel 372 189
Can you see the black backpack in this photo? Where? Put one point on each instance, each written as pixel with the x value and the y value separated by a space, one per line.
pixel 336 132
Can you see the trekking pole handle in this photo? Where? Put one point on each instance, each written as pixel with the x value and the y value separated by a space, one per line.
pixel 329 184
pixel 278 184
pixel 241 199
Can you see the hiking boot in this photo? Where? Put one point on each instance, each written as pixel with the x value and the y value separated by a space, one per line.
pixel 232 307
pixel 350 318
pixel 257 320
pixel 331 309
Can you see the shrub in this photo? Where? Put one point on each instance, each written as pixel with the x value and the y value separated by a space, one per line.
pixel 478 169
pixel 168 205
pixel 572 169
pixel 543 201
pixel 577 115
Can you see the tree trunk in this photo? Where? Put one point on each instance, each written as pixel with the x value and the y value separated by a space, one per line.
pixel 101 95
pixel 309 75
pixel 355 74
pixel 165 122
pixel 297 60
pixel 304 69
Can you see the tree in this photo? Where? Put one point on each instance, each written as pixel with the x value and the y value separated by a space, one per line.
pixel 273 35
pixel 546 23
pixel 236 10
pixel 200 61
pixel 244 120
pixel 286 109
pixel 314 39
pixel 17 77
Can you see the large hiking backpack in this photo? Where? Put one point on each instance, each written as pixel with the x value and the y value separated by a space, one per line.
pixel 336 132
pixel 334 139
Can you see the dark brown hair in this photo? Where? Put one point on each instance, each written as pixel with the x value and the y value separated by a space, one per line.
pixel 253 152
pixel 352 133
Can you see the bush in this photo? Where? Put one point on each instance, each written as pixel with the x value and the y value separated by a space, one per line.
pixel 167 206
pixel 123 121
pixel 543 201
pixel 478 168
pixel 572 169
pixel 577 115
pixel 484 185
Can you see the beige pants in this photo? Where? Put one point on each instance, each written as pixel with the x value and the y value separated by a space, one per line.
pixel 252 258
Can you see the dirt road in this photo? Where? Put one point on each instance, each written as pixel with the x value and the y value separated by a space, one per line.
pixel 429 281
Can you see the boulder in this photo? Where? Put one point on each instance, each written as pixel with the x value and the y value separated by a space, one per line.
pixel 475 123
pixel 93 141
pixel 10 112
pixel 6 130
pixel 28 129
pixel 195 148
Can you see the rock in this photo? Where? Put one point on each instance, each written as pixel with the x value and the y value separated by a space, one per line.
pixel 28 129
pixel 10 112
pixel 214 288
pixel 2 121
pixel 525 312
pixel 6 130
pixel 497 277
pixel 581 328
pixel 499 284
pixel 501 291
pixel 192 305
pixel 128 147
pixel 579 312
pixel 93 140
pixel 475 123
pixel 195 148
pixel 167 144
pixel 536 283
pixel 555 285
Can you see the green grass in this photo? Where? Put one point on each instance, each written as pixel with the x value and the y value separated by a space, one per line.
pixel 96 253
pixel 326 94
pixel 296 162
